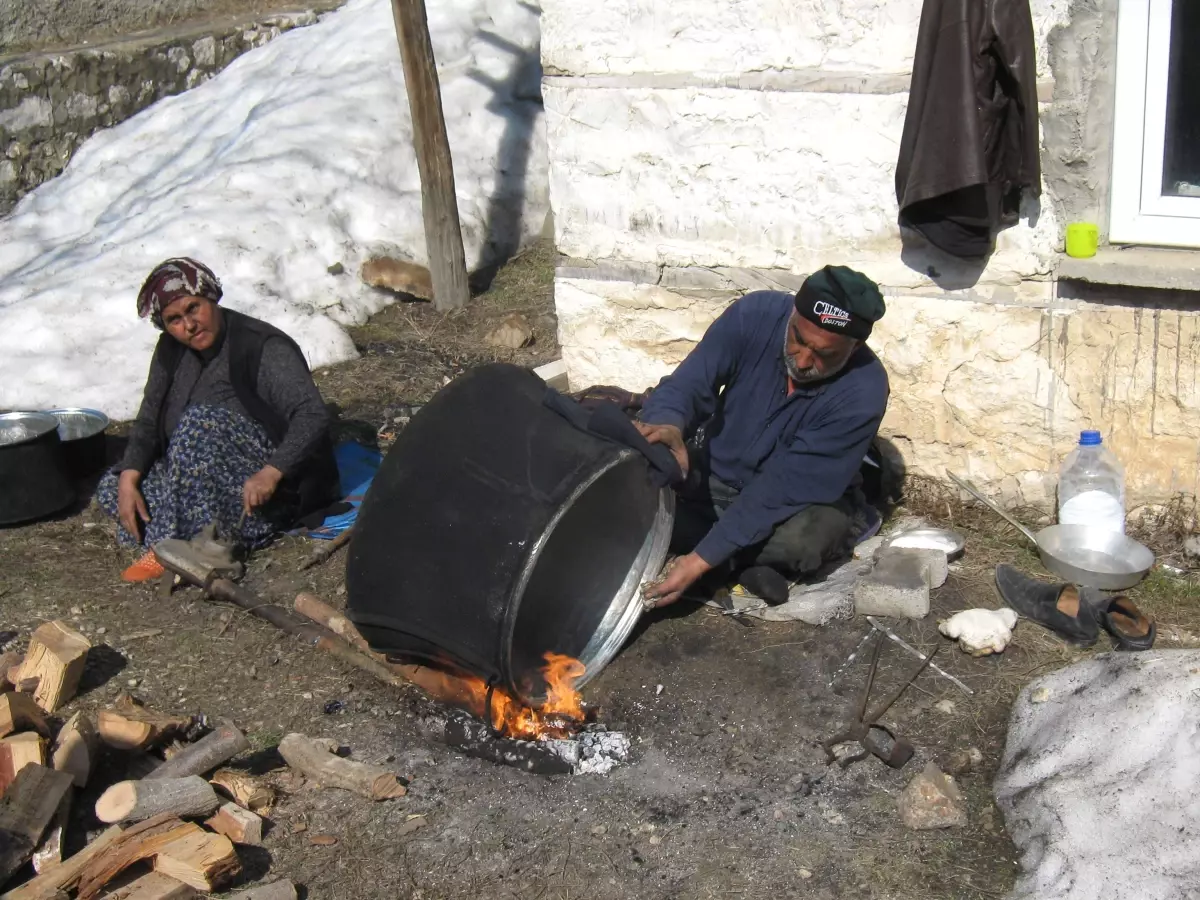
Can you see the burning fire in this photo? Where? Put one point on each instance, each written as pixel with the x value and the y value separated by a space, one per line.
pixel 559 717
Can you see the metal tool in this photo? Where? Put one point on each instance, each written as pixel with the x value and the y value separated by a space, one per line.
pixel 1081 554
pixel 891 635
pixel 875 739
pixel 850 659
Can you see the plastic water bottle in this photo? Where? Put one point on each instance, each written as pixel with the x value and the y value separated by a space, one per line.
pixel 1091 486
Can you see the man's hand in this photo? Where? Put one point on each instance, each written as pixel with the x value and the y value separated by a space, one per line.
pixel 680 576
pixel 670 437
pixel 259 488
pixel 131 505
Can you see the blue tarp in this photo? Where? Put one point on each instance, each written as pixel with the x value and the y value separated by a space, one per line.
pixel 357 466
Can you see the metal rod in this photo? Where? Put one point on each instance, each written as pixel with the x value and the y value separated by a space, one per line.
pixel 918 654
pixel 850 659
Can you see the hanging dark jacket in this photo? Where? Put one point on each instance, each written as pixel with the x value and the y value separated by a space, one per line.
pixel 970 143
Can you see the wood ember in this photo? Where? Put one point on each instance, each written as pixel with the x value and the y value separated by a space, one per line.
pixel 27 808
pixel 136 800
pixel 244 789
pixel 131 725
pixel 316 758
pixel 18 712
pixel 592 751
pixel 75 748
pixel 56 657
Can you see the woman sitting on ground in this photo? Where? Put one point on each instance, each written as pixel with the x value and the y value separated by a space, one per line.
pixel 231 431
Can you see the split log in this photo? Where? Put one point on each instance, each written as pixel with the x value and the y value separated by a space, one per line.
pixel 315 758
pixel 187 852
pixel 239 825
pixel 26 809
pixel 206 754
pixel 244 789
pixel 56 882
pixel 49 852
pixel 133 801
pixel 18 751
pixel 57 656
pixel 131 725
pixel 10 659
pixel 199 858
pixel 152 886
pixel 276 890
pixel 330 547
pixel 75 748
pixel 313 607
pixel 18 712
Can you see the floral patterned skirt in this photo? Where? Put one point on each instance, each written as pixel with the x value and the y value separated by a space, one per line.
pixel 209 457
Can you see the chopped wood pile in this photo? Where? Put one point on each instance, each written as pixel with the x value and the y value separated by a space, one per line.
pixel 174 831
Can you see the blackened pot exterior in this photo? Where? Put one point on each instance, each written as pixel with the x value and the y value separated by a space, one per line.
pixel 33 478
pixel 495 531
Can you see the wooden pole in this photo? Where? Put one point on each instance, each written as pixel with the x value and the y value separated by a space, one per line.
pixel 439 206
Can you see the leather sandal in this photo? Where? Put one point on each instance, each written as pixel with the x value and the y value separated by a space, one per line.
pixel 1067 610
pixel 1128 626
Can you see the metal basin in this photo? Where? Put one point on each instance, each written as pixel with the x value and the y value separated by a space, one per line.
pixel 83 440
pixel 495 532
pixel 1095 557
pixel 33 478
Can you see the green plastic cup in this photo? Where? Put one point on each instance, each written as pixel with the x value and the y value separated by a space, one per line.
pixel 1082 239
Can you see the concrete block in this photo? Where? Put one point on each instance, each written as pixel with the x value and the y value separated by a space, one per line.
pixel 937 565
pixel 898 587
pixel 868 548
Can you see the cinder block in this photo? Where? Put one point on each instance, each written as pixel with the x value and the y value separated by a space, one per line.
pixel 935 561
pixel 898 587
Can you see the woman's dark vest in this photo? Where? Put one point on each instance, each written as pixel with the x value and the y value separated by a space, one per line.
pixel 316 484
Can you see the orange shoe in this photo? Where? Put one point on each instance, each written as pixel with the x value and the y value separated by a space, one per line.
pixel 145 569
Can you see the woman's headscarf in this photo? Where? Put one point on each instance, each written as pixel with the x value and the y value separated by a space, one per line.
pixel 172 279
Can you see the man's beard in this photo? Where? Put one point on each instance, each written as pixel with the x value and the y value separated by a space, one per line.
pixel 798 375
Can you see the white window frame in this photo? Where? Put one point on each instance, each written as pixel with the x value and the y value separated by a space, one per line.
pixel 1140 214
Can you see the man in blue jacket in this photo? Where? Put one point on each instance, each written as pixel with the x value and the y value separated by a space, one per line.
pixel 788 398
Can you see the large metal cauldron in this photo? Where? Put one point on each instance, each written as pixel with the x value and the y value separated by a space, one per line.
pixel 33 478
pixel 495 532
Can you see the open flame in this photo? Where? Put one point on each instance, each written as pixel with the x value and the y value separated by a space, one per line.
pixel 560 716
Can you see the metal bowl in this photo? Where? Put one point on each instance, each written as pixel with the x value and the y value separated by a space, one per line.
pixel 951 542
pixel 19 427
pixel 76 424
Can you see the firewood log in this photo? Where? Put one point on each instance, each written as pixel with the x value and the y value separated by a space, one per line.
pixel 152 886
pixel 57 656
pixel 133 801
pixel 9 659
pixel 181 850
pixel 49 852
pixel 57 881
pixel 26 810
pixel 75 748
pixel 315 758
pixel 244 789
pixel 18 712
pixel 206 754
pixel 131 725
pixel 239 825
pixel 18 751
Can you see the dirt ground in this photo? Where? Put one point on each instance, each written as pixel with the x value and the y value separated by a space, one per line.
pixel 727 794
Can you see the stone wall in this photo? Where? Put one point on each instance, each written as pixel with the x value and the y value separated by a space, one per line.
pixel 701 148
pixel 51 103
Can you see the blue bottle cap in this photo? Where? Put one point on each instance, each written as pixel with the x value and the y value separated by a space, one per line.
pixel 1090 439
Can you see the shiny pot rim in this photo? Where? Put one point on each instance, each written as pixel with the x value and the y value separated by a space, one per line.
pixel 99 422
pixel 22 427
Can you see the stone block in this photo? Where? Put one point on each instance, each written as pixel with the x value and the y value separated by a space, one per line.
pixel 898 587
pixel 937 565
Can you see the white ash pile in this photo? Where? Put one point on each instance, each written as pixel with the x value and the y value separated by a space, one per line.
pixel 594 751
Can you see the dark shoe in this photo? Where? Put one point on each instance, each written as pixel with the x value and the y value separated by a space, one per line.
pixel 1065 609
pixel 1129 627
pixel 765 583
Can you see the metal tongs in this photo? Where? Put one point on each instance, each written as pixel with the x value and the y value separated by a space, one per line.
pixel 875 739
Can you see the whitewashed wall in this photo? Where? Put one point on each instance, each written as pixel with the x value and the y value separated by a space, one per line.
pixel 701 148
